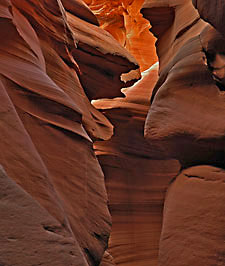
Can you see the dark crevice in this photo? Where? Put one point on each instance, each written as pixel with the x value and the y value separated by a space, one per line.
pixel 180 33
pixel 91 258
pixel 194 176
pixel 53 229
pixel 49 228
pixel 220 86
pixel 161 18
pixel 98 236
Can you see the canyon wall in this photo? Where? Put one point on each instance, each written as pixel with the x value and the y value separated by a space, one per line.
pixel 53 59
pixel 102 164
pixel 185 122
pixel 122 19
pixel 136 178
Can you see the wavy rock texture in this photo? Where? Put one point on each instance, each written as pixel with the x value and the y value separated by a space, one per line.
pixel 123 20
pixel 187 105
pixel 207 11
pixel 135 179
pixel 55 59
pixel 48 124
pixel 193 224
pixel 29 235
pixel 185 122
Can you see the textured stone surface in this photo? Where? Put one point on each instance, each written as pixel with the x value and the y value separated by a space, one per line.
pixel 187 105
pixel 185 122
pixel 29 235
pixel 135 179
pixel 193 224
pixel 107 260
pixel 48 123
pixel 123 20
pixel 55 59
pixel 212 12
pixel 80 10
pixel 101 60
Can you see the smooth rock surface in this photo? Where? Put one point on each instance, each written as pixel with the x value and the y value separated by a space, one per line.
pixel 185 119
pixel 212 12
pixel 29 235
pixel 136 179
pixel 48 123
pixel 193 222
pixel 185 122
pixel 123 20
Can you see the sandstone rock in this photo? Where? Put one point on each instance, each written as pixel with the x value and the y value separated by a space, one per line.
pixel 212 12
pixel 193 223
pixel 107 260
pixel 48 124
pixel 29 235
pixel 79 9
pixel 123 20
pixel 101 60
pixel 136 179
pixel 184 120
pixel 54 59
pixel 160 14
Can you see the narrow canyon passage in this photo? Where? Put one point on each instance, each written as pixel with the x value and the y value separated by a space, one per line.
pixel 112 133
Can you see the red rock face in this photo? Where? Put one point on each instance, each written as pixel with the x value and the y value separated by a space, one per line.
pixel 187 105
pixel 193 227
pixel 136 179
pixel 56 186
pixel 185 122
pixel 47 128
pixel 122 19
pixel 29 234
pixel 207 11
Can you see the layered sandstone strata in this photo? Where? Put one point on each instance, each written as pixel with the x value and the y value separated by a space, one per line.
pixel 47 128
pixel 122 19
pixel 55 59
pixel 212 12
pixel 185 122
pixel 136 178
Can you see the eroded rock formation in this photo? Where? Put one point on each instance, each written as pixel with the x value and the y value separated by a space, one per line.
pixel 122 19
pixel 187 107
pixel 193 224
pixel 185 123
pixel 48 124
pixel 136 178
pixel 165 191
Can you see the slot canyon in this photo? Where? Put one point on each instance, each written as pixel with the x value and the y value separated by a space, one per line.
pixel 112 122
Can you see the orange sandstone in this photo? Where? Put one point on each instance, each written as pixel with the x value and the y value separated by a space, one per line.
pixel 122 18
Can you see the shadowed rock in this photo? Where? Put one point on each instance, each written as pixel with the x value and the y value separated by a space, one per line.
pixel 29 235
pixel 136 179
pixel 48 123
pixel 212 12
pixel 193 223
pixel 184 120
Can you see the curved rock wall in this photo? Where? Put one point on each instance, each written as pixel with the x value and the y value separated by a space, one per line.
pixel 48 125
pixel 136 179
pixel 187 104
pixel 193 223
pixel 185 122
pixel 123 20
pixel 165 192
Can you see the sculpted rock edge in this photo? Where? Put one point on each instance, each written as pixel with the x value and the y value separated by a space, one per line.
pixel 48 126
pixel 185 122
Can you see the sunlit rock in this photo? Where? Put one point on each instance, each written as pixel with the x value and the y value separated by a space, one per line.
pixel 123 20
